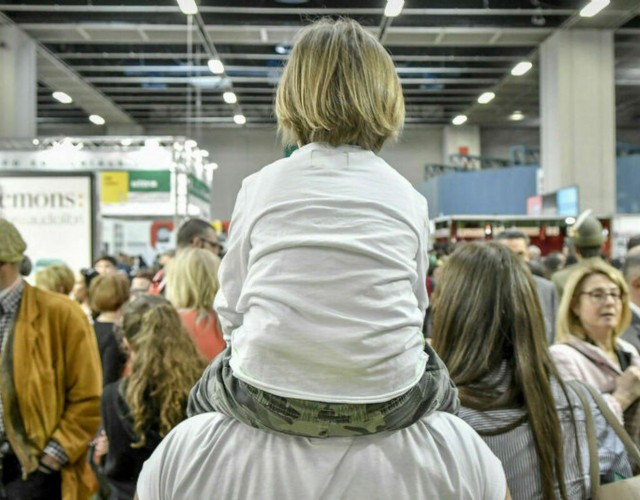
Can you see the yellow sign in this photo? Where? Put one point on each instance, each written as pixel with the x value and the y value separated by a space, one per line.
pixel 114 187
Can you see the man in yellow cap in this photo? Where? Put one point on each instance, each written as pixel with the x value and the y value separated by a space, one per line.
pixel 50 385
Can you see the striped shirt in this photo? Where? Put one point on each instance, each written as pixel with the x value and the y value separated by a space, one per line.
pixel 9 307
pixel 516 448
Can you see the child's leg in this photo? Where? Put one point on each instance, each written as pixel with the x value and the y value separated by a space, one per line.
pixel 219 391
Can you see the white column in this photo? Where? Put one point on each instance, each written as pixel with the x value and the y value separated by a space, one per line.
pixel 18 84
pixel 577 104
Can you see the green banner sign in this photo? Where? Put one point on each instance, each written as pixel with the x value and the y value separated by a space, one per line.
pixel 149 181
pixel 199 189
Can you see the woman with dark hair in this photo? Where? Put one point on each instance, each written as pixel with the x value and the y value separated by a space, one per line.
pixel 107 294
pixel 139 410
pixel 489 331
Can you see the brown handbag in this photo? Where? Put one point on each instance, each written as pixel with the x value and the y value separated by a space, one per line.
pixel 628 489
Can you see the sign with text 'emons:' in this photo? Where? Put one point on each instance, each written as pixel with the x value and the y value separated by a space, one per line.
pixel 53 212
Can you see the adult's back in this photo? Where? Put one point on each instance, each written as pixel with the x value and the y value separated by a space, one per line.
pixel 213 455
pixel 514 447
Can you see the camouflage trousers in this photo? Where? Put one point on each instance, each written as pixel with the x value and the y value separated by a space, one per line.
pixel 218 390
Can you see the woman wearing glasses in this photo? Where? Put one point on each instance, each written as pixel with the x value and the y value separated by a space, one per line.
pixel 594 311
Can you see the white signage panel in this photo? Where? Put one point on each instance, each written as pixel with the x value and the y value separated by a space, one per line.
pixel 53 213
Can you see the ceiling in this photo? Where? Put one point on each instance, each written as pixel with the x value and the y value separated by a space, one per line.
pixel 145 63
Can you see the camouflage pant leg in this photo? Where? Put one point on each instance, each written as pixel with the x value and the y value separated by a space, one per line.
pixel 220 391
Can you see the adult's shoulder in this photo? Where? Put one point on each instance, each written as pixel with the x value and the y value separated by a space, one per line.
pixel 543 283
pixel 53 303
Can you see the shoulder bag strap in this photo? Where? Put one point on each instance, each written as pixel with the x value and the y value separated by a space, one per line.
pixel 632 449
pixel 594 465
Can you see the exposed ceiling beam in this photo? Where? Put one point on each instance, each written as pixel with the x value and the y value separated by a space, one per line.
pixel 146 9
pixel 266 69
pixel 57 75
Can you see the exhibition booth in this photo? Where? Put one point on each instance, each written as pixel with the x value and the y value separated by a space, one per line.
pixel 74 198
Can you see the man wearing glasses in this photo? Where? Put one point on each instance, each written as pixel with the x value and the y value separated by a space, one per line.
pixel 196 233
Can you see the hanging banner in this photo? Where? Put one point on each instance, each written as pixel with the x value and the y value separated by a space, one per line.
pixel 199 189
pixel 149 186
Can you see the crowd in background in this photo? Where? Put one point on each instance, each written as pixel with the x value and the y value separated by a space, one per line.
pixel 310 377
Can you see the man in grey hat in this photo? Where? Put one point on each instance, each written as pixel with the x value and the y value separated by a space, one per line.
pixel 587 238
pixel 50 385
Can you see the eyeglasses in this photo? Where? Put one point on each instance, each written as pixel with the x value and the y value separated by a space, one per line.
pixel 213 244
pixel 601 296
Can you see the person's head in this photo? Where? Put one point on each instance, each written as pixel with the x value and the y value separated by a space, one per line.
pixel 108 292
pixel 192 279
pixel 165 257
pixel 83 279
pixel 516 241
pixel 12 248
pixel 631 273
pixel 633 242
pixel 594 304
pixel 105 264
pixel 534 252
pixel 140 284
pixel 165 365
pixel 553 262
pixel 339 87
pixel 486 317
pixel 198 233
pixel 57 278
pixel 587 237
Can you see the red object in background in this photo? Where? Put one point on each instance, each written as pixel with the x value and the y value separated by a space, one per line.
pixel 161 232
pixel 463 150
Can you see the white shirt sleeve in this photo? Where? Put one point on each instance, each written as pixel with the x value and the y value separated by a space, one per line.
pixel 233 269
pixel 420 287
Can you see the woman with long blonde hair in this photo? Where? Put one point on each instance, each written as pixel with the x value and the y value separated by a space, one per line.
pixel 139 410
pixel 192 285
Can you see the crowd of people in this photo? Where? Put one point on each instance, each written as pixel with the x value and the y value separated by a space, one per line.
pixel 319 357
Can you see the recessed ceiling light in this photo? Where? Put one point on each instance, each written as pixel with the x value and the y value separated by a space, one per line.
pixel 516 116
pixel 593 7
pixel 459 120
pixel 486 97
pixel 521 68
pixel 229 97
pixel 188 7
pixel 216 66
pixel 239 119
pixel 393 8
pixel 62 97
pixel 96 120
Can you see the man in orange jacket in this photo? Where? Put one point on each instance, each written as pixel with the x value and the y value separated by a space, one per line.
pixel 50 385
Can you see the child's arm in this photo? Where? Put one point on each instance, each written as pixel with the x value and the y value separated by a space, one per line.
pixel 233 269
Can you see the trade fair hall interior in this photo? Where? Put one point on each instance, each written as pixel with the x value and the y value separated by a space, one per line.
pixel 236 230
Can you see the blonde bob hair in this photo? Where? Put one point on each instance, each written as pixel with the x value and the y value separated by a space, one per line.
pixel 339 87
pixel 56 278
pixel 568 323
pixel 192 279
